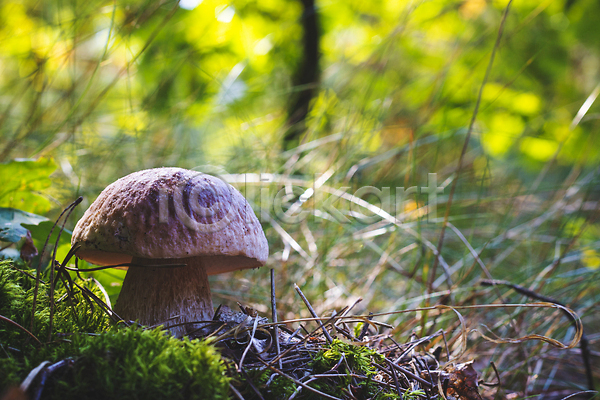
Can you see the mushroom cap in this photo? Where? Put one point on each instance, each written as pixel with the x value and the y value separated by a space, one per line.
pixel 171 213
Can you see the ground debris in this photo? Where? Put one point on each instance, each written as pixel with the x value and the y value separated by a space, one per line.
pixel 462 381
pixel 310 366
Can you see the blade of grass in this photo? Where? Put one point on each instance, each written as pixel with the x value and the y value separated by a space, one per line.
pixel 465 146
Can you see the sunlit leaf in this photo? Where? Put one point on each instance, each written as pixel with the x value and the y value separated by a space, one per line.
pixel 23 181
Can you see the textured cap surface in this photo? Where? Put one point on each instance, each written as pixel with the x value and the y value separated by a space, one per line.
pixel 171 213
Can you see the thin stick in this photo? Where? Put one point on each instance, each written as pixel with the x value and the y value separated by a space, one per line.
pixel 99 301
pixel 274 317
pixel 396 381
pixel 313 313
pixel 123 265
pixel 53 260
pixel 297 382
pixel 24 272
pixel 236 392
pixel 10 321
pixel 365 327
pixel 583 342
pixel 407 373
pixel 249 344
pixel 446 343
pixel 39 266
pixel 303 340
pixel 579 393
pixel 251 383
pixel 481 382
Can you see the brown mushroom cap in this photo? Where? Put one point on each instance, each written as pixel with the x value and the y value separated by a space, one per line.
pixel 171 213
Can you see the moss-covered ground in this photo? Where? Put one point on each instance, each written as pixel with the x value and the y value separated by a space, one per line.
pixel 105 360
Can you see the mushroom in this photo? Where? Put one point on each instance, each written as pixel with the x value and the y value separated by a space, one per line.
pixel 159 218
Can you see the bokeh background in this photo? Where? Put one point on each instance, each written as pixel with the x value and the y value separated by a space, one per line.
pixel 339 94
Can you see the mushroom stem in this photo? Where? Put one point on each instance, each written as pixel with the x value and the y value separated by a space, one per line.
pixel 166 295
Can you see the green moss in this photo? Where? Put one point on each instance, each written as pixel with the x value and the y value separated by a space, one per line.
pixel 413 395
pixel 10 372
pixel 72 313
pixel 279 387
pixel 357 372
pixel 109 362
pixel 16 294
pixel 358 329
pixel 131 363
pixel 19 352
pixel 359 358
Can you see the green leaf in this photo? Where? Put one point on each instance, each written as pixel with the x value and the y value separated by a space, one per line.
pixel 41 230
pixel 22 182
pixel 11 220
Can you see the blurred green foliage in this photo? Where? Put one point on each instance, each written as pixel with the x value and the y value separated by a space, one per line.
pixel 108 88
